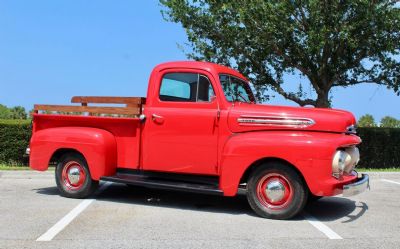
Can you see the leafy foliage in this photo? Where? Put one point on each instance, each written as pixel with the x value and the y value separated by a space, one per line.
pixel 390 122
pixel 4 112
pixel 16 112
pixel 380 147
pixel 366 120
pixel 14 139
pixel 331 43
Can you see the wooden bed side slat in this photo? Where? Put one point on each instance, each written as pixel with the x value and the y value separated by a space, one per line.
pixel 90 109
pixel 108 100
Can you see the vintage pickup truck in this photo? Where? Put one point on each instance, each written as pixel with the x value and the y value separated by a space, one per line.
pixel 200 130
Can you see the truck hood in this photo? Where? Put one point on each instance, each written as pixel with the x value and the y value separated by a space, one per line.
pixel 254 117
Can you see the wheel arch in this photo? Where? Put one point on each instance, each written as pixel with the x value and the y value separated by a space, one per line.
pixel 97 146
pixel 269 160
pixel 59 153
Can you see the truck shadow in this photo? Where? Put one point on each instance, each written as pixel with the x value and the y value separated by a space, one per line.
pixel 326 209
pixel 47 191
pixel 333 208
pixel 174 199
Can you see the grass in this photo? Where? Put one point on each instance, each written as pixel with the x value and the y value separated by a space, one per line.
pixel 378 170
pixel 17 167
pixel 13 167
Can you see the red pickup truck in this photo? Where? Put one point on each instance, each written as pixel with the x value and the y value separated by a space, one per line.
pixel 200 130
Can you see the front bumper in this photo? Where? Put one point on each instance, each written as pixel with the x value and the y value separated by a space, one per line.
pixel 356 187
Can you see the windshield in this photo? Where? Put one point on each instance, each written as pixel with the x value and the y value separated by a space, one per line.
pixel 236 89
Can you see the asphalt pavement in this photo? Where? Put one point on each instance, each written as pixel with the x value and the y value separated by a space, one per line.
pixel 33 215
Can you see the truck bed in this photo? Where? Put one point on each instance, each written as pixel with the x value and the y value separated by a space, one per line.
pixel 123 122
pixel 132 106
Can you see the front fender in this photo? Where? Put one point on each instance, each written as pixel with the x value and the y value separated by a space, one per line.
pixel 96 145
pixel 310 152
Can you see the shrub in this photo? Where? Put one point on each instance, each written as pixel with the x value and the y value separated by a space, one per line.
pixel 380 147
pixel 14 139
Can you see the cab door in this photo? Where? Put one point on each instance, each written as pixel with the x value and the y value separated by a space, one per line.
pixel 181 130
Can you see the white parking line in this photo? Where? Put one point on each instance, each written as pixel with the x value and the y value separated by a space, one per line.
pixel 61 224
pixel 321 227
pixel 385 180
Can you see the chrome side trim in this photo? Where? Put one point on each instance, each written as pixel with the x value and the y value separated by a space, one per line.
pixel 357 187
pixel 275 121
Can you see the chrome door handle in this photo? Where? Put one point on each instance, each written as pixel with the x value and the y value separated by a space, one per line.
pixel 157 118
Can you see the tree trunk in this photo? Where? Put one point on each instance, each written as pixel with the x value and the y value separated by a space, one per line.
pixel 323 100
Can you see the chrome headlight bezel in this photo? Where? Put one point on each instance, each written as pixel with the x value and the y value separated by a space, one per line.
pixel 344 161
pixel 338 163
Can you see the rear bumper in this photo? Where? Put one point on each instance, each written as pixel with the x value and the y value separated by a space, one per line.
pixel 356 187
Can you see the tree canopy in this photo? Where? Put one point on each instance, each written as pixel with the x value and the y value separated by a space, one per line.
pixel 331 43
pixel 366 120
pixel 390 122
pixel 16 112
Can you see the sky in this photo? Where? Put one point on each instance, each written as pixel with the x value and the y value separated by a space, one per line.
pixel 53 50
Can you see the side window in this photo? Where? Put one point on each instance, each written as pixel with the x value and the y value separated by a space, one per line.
pixel 186 87
pixel 177 87
pixel 236 89
pixel 240 89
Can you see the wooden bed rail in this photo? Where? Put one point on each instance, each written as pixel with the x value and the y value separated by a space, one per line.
pixel 133 106
pixel 129 101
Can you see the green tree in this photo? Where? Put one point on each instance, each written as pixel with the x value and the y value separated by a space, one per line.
pixel 4 112
pixel 366 120
pixel 330 43
pixel 18 112
pixel 390 122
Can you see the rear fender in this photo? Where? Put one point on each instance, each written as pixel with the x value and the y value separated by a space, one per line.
pixel 96 145
pixel 309 152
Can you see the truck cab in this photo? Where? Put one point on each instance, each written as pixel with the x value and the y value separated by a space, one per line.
pixel 201 130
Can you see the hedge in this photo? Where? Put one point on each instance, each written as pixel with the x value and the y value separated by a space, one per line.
pixel 14 139
pixel 380 147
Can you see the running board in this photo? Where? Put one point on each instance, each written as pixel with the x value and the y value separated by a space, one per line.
pixel 162 183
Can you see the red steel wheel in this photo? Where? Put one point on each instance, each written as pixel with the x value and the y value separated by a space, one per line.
pixel 276 191
pixel 73 176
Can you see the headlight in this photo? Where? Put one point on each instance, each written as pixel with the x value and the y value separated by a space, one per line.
pixel 339 163
pixel 353 160
pixel 345 161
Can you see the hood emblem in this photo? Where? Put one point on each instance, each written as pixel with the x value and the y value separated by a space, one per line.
pixel 279 121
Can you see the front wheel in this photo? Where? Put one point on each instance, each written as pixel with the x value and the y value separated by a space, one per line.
pixel 73 177
pixel 276 191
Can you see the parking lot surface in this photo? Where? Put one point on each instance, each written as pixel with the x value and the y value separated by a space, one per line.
pixel 33 215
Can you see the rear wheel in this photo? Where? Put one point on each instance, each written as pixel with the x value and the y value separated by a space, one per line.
pixel 73 177
pixel 276 191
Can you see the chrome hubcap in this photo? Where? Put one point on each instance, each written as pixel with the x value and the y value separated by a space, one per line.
pixel 275 191
pixel 74 175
